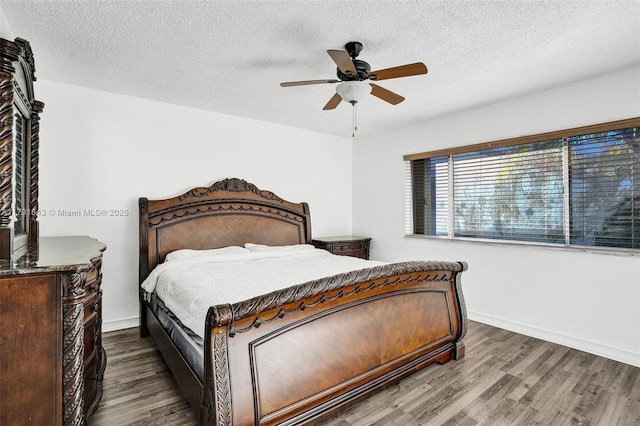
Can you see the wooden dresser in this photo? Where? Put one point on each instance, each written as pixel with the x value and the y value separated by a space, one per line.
pixel 345 245
pixel 51 355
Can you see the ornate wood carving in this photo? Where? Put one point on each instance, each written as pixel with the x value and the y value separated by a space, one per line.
pixel 14 54
pixel 196 209
pixel 232 185
pixel 94 369
pixel 73 348
pixel 290 222
pixel 221 377
pixel 34 206
pixel 8 54
pixel 72 361
pixel 218 385
pixel 218 315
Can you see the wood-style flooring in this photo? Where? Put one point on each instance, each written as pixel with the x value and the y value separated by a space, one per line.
pixel 505 379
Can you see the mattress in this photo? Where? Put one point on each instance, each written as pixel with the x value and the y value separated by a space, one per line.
pixel 180 290
pixel 190 345
pixel 191 281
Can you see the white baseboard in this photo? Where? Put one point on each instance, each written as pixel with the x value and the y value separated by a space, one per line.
pixel 120 324
pixel 550 336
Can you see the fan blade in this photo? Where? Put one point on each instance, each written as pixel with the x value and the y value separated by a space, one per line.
pixel 304 83
pixel 343 61
pixel 333 102
pixel 385 95
pixel 401 71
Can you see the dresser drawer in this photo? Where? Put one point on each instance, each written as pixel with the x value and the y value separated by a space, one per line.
pixel 94 277
pixel 92 304
pixel 90 378
pixel 345 246
pixel 93 377
pixel 357 249
pixel 91 332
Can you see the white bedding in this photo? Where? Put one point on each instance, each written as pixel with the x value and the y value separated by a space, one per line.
pixel 192 281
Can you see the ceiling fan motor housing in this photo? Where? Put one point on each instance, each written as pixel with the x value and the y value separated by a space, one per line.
pixel 362 69
pixel 353 48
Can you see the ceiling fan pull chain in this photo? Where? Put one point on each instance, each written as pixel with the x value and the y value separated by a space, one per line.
pixel 355 118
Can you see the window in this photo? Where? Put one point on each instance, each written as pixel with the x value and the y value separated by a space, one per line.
pixel 579 187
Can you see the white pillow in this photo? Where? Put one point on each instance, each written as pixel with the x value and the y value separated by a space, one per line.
pixel 191 253
pixel 288 248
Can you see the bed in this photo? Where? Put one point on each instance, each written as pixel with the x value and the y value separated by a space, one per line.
pixel 303 353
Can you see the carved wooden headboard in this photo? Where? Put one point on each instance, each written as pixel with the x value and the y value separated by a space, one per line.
pixel 229 212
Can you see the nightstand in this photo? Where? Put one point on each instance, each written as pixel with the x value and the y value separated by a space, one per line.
pixel 344 245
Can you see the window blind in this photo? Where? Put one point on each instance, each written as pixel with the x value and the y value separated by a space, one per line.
pixel 605 188
pixel 512 193
pixel 580 187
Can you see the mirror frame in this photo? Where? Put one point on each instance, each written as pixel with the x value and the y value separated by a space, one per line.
pixel 17 74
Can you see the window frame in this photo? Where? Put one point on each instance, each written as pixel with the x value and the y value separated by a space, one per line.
pixel 529 139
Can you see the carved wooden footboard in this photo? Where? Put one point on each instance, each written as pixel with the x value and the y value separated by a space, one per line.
pixel 299 355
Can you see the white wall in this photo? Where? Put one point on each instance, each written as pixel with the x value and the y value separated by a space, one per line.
pixel 103 151
pixel 584 300
pixel 5 29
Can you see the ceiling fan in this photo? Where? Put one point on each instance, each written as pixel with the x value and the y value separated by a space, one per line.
pixel 353 73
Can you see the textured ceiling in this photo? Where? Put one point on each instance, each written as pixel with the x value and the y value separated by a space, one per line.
pixel 230 56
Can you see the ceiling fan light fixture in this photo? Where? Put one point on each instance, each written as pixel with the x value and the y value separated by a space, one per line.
pixel 353 91
pixel 353 75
